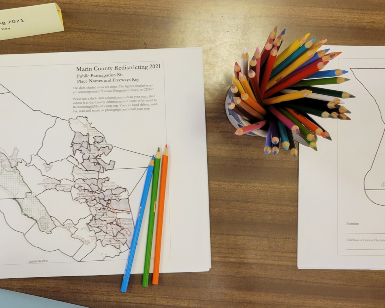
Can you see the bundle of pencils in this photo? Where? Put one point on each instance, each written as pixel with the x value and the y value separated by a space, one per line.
pixel 280 93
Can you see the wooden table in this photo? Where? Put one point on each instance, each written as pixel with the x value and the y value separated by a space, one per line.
pixel 253 197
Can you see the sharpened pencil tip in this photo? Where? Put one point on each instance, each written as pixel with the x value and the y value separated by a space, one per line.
pixel 267 152
pixel 344 72
pixel 330 138
pixel 295 155
pixel 351 95
pixel 327 50
pixel 283 32
pixel 275 152
pixel 286 148
pixel 257 50
pixel 244 50
pixel 315 149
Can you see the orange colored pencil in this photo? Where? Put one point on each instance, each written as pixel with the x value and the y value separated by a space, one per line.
pixel 295 79
pixel 159 225
pixel 253 104
pixel 307 123
pixel 245 84
pixel 268 69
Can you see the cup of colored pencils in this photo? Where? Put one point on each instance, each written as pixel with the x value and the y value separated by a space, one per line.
pixel 279 95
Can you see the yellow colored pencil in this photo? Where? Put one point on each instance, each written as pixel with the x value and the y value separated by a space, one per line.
pixel 291 68
pixel 246 86
pixel 238 85
pixel 287 97
pixel 289 50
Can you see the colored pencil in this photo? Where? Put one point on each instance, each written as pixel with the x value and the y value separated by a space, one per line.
pixel 334 93
pixel 151 219
pixel 319 54
pixel 253 104
pixel 325 134
pixel 244 114
pixel 291 68
pixel 286 97
pixel 257 56
pixel 289 50
pixel 245 84
pixel 253 64
pixel 303 69
pixel 307 123
pixel 268 68
pixel 282 39
pixel 235 91
pixel 275 148
pixel 237 83
pixel 268 144
pixel 293 150
pixel 307 133
pixel 317 44
pixel 283 133
pixel 245 106
pixel 321 81
pixel 310 110
pixel 250 128
pixel 159 224
pixel 290 59
pixel 329 73
pixel 340 109
pixel 316 103
pixel 274 130
pixel 237 69
pixel 255 86
pixel 321 97
pixel 245 62
pixel 266 51
pixel 138 224
pixel 285 120
pixel 295 79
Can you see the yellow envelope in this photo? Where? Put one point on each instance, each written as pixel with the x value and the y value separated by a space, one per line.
pixel 30 20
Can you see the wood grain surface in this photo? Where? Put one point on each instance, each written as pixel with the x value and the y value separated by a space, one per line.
pixel 253 197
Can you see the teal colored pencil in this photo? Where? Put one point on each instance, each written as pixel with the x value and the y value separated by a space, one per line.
pixel 292 58
pixel 138 224
pixel 151 219
pixel 284 138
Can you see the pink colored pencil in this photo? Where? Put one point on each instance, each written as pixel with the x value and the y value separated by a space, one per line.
pixel 250 128
pixel 288 123
pixel 237 69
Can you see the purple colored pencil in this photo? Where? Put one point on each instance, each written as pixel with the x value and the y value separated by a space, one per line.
pixel 288 123
pixel 273 127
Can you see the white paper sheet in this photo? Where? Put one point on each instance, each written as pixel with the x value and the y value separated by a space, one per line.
pixel 341 210
pixel 65 114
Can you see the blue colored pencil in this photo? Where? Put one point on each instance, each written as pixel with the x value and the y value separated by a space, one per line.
pixel 330 73
pixel 290 59
pixel 139 220
pixel 314 58
pixel 284 138
pixel 268 143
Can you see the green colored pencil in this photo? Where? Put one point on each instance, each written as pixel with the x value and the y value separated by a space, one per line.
pixel 151 219
pixel 335 93
pixel 309 110
pixel 304 131
pixel 320 81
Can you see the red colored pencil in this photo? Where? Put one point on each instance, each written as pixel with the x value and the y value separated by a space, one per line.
pixel 294 79
pixel 266 51
pixel 268 69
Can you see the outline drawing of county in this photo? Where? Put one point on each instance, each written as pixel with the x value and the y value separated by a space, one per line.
pixel 374 180
pixel 59 186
